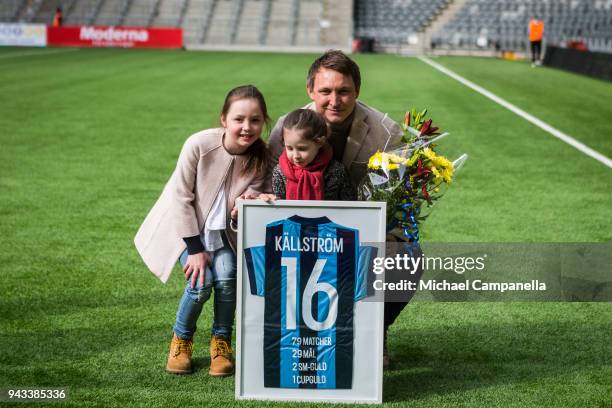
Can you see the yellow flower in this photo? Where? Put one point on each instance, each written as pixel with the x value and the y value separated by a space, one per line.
pixel 376 161
pixel 410 162
pixel 427 152
pixel 441 166
pixel 386 164
pixel 442 161
pixel 446 167
pixel 447 174
pixel 394 158
pixel 437 174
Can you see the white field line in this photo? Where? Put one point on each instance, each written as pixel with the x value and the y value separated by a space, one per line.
pixel 34 53
pixel 542 125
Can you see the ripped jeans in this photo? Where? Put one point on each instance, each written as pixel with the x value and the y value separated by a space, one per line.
pixel 221 277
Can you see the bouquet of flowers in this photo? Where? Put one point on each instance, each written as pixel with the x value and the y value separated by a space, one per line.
pixel 411 178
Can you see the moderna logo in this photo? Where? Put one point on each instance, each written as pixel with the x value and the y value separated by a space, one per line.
pixel 112 34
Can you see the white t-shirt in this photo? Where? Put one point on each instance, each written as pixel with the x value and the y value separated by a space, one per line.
pixel 215 223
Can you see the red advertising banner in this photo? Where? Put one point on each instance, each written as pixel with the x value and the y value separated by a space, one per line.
pixel 122 37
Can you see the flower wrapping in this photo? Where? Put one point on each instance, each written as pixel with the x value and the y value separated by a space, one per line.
pixel 410 178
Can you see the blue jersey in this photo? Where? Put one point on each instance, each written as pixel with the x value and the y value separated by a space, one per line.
pixel 310 272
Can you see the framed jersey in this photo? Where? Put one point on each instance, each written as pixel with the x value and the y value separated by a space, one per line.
pixel 305 328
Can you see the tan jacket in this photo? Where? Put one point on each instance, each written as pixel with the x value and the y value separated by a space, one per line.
pixel 203 168
pixel 367 135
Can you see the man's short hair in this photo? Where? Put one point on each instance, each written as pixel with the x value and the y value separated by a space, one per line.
pixel 338 61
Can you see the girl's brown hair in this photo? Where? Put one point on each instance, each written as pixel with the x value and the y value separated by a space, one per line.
pixel 258 151
pixel 310 123
pixel 338 61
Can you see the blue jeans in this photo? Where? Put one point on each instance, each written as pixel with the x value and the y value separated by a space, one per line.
pixel 221 277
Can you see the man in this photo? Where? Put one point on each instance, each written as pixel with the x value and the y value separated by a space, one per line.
pixel 357 130
pixel 536 33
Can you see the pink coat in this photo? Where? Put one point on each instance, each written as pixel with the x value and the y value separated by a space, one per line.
pixel 203 168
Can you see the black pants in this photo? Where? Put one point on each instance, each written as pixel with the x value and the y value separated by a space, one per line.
pixel 536 48
pixel 393 309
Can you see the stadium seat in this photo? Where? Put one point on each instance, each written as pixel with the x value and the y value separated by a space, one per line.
pixel 506 22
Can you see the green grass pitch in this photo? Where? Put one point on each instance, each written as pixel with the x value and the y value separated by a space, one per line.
pixel 88 139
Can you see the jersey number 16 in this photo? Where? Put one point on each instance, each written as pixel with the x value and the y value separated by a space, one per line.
pixel 312 287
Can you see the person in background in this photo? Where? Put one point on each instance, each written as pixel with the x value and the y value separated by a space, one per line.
pixel 57 18
pixel 536 33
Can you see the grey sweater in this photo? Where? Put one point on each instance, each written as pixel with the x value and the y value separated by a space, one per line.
pixel 337 183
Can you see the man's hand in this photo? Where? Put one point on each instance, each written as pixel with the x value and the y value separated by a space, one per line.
pixel 195 267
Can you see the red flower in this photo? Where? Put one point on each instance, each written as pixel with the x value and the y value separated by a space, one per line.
pixel 425 193
pixel 422 173
pixel 428 129
pixel 422 170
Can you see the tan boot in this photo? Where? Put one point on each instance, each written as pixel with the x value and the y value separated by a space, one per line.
pixel 221 359
pixel 179 359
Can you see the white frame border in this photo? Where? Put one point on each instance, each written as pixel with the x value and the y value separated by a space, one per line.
pixel 382 206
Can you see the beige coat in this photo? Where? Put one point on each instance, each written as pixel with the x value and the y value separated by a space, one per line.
pixel 203 168
pixel 367 135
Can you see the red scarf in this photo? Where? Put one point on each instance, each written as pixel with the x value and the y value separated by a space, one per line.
pixel 306 183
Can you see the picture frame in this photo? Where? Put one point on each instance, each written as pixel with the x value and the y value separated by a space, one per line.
pixel 368 218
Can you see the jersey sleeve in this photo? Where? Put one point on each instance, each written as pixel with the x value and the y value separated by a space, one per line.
pixel 364 270
pixel 256 268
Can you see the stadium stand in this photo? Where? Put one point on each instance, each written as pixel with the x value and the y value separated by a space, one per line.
pixel 279 31
pixel 140 13
pixel 392 22
pixel 195 19
pixel 29 10
pixel 502 24
pixel 82 12
pixel 337 22
pixel 486 25
pixel 111 12
pixel 7 9
pixel 169 13
pixel 308 26
pixel 251 23
pixel 11 10
pixel 45 12
pixel 222 21
pixel 209 23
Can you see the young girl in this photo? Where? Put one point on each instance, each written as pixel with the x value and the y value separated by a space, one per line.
pixel 191 220
pixel 305 169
